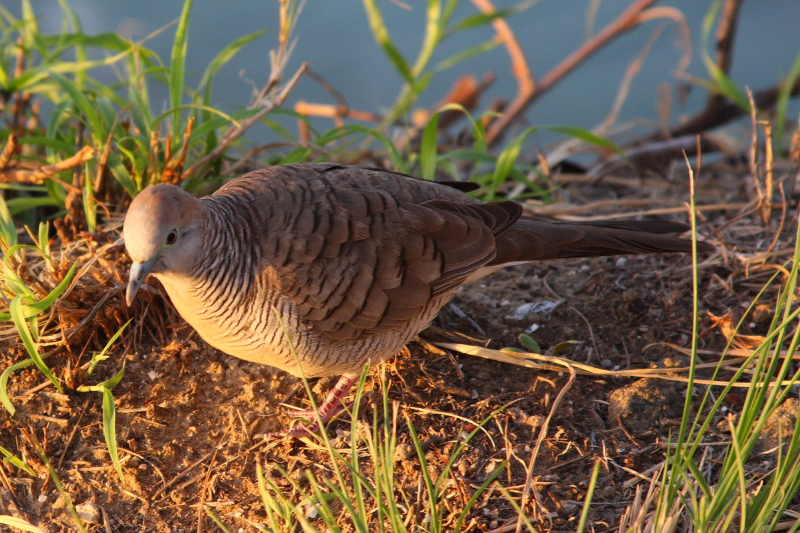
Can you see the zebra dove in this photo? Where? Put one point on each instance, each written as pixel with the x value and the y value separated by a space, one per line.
pixel 334 266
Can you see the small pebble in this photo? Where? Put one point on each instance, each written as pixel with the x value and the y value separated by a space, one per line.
pixel 89 512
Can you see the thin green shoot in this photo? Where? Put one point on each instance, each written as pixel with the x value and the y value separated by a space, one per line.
pixel 24 332
pixel 720 82
pixel 109 417
pixel 102 356
pixel 177 71
pixel 217 520
pixel 587 502
pixel 20 463
pixel 57 481
pixel 782 107
pixel 5 399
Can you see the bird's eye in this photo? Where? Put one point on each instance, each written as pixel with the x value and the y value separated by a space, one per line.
pixel 172 236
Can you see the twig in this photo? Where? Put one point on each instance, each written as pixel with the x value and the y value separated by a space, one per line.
pixel 234 134
pixel 72 434
pixel 655 155
pixel 12 175
pixel 206 480
pixel 624 87
pixel 180 475
pixel 526 84
pixel 540 440
pixel 566 148
pixel 728 111
pixel 335 112
pixel 769 177
pixel 624 23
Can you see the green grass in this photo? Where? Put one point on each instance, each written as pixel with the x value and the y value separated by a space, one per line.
pixel 707 487
pixel 363 482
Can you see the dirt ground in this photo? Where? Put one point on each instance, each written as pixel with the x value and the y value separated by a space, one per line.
pixel 190 418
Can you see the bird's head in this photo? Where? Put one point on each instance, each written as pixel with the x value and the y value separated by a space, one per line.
pixel 161 233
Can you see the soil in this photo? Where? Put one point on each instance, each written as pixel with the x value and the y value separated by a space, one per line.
pixel 190 419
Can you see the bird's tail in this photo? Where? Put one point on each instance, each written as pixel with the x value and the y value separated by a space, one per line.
pixel 540 239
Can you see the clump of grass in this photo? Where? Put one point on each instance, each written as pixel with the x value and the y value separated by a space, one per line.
pixel 363 486
pixel 706 485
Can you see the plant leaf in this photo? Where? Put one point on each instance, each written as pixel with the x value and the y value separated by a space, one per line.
pixel 27 339
pixel 177 71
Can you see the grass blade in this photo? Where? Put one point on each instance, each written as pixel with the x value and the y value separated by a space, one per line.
pixel 381 34
pixel 19 523
pixel 84 107
pixel 220 61
pixel 587 502
pixel 31 310
pixel 783 102
pixel 4 397
pixel 27 339
pixel 217 520
pixel 110 428
pixel 16 461
pixel 177 71
pixel 109 417
pixel 429 148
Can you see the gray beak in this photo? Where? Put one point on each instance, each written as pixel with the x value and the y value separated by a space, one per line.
pixel 139 272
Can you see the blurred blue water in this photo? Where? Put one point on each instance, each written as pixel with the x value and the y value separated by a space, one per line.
pixel 334 37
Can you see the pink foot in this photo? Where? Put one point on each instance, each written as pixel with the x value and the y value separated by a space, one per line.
pixel 331 407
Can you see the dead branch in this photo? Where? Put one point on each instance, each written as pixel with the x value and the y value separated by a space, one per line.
pixel 8 151
pixel 466 91
pixel 629 19
pixel 656 155
pixel 335 112
pixel 38 175
pixel 174 168
pixel 526 85
pixel 727 111
pixel 245 125
pixel 726 36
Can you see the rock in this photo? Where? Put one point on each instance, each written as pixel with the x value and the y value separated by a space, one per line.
pixel 89 512
pixel 780 427
pixel 645 404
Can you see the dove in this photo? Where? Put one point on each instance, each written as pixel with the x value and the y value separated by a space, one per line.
pixel 319 269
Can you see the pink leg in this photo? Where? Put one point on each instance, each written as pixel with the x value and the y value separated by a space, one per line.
pixel 331 407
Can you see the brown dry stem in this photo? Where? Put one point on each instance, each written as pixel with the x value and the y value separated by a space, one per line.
pixel 38 175
pixel 628 20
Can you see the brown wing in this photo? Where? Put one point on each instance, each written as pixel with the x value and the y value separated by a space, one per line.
pixel 360 263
